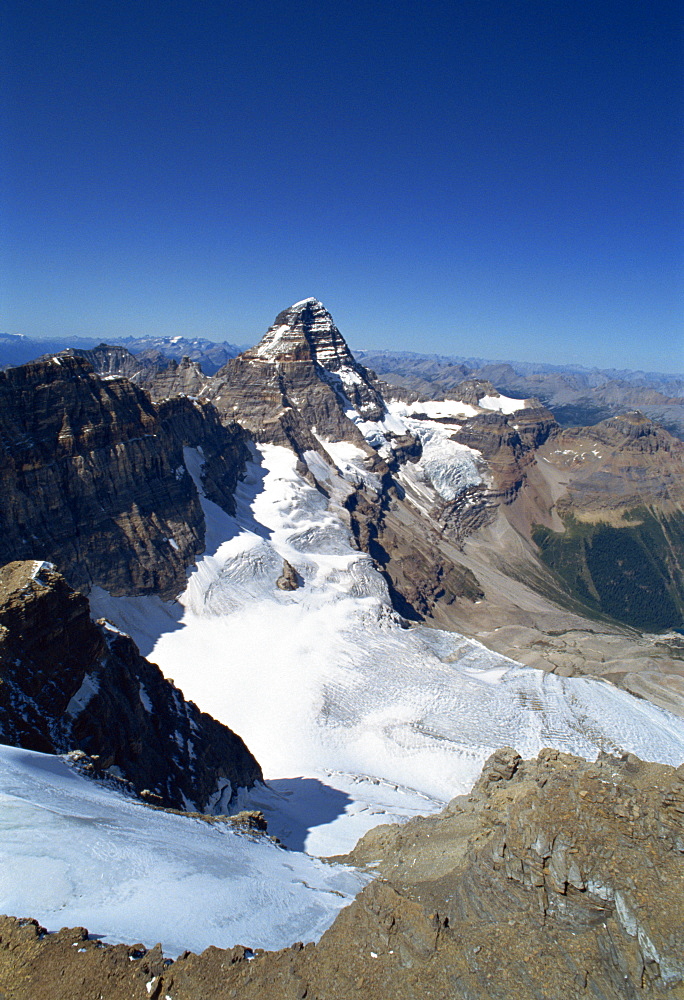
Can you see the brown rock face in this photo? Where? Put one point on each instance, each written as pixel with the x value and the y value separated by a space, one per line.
pixel 301 376
pixel 289 578
pixel 555 878
pixel 415 560
pixel 93 478
pixel 508 443
pixel 67 683
pixel 184 377
pixel 620 463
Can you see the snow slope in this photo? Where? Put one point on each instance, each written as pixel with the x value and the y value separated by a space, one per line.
pixel 73 853
pixel 355 719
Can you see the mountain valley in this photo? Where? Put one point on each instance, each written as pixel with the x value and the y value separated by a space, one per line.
pixel 378 587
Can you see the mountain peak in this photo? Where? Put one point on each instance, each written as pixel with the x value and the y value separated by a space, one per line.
pixel 305 331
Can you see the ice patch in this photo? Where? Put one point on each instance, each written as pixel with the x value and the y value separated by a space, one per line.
pixel 503 404
pixel 145 698
pixel 40 566
pixel 444 409
pixel 88 689
pixel 351 461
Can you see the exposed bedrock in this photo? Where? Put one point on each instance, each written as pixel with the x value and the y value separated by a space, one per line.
pixel 93 477
pixel 299 381
pixel 67 683
pixel 555 878
pixel 508 444
pixel 410 554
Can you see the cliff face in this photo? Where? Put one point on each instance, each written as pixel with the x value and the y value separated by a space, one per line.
pixel 67 683
pixel 184 377
pixel 508 442
pixel 300 376
pixel 93 478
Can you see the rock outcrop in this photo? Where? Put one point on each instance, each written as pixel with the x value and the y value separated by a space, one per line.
pixel 555 878
pixel 508 442
pixel 69 684
pixel 184 377
pixel 93 477
pixel 112 360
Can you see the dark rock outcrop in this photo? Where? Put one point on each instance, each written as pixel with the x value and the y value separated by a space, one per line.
pixel 93 477
pixel 555 878
pixel 289 579
pixel 68 683
pixel 111 360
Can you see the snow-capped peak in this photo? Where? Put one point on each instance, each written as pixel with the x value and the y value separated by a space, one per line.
pixel 312 300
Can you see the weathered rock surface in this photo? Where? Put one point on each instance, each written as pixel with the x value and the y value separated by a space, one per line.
pixel 622 462
pixel 67 683
pixel 184 377
pixel 161 376
pixel 300 378
pixel 93 477
pixel 289 579
pixel 112 360
pixel 508 442
pixel 556 878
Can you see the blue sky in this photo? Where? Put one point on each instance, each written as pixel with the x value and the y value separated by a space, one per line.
pixel 499 178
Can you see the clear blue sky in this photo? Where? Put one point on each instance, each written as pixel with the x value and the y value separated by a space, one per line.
pixel 492 177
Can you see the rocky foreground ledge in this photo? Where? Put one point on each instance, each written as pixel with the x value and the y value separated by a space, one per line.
pixel 555 879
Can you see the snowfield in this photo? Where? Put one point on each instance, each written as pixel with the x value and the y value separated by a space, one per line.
pixel 73 853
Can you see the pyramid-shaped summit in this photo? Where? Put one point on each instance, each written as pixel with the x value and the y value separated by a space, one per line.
pixel 305 331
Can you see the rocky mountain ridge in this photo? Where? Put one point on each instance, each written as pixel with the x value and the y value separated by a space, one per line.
pixel 556 877
pixel 70 684
pixel 94 479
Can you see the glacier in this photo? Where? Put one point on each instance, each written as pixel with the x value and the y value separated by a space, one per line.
pixel 355 718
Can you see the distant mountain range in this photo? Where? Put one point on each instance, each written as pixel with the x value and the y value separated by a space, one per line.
pixel 577 395
pixel 17 350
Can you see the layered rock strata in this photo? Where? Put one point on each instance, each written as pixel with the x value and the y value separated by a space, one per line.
pixel 69 684
pixel 555 878
pixel 93 477
pixel 299 380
